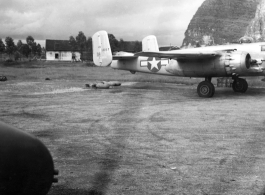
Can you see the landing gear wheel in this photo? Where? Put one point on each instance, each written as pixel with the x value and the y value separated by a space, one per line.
pixel 240 85
pixel 205 89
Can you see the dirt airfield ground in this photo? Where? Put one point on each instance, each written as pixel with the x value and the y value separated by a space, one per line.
pixel 141 137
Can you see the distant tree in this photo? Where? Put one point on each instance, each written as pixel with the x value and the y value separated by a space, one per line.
pixel 34 48
pixel 137 46
pixel 89 45
pixel 19 44
pixel 30 40
pixel 121 45
pixel 25 50
pixel 81 42
pixel 114 43
pixel 18 52
pixel 10 46
pixel 73 43
pixel 39 50
pixel 16 55
pixel 2 46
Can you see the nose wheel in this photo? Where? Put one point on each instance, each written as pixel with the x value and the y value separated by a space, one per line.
pixel 206 89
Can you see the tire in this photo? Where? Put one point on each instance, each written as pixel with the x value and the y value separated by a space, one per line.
pixel 205 89
pixel 240 85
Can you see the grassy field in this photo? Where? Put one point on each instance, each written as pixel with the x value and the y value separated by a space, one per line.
pixel 148 136
pixel 39 70
pixel 79 71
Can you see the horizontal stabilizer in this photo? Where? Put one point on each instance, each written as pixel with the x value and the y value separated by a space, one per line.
pixel 124 55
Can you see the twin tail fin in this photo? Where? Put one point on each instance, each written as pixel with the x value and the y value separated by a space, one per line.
pixel 102 55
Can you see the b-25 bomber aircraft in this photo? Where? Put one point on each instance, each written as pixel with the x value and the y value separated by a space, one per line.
pixel 235 60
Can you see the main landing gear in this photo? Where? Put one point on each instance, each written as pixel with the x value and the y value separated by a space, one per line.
pixel 239 85
pixel 206 88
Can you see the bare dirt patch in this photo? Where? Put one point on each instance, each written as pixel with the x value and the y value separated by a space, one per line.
pixel 143 138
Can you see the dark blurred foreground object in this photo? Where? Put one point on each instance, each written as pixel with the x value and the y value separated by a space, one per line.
pixel 26 165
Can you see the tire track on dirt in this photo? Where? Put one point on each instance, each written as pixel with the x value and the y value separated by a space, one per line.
pixel 240 173
pixel 235 173
pixel 120 124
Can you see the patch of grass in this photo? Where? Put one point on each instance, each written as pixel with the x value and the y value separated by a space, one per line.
pixel 39 70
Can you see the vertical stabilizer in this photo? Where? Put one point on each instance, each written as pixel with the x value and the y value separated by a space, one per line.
pixel 150 43
pixel 102 55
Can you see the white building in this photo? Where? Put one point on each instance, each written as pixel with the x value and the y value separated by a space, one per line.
pixel 61 50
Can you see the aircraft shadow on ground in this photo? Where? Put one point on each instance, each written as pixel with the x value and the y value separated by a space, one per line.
pixel 219 91
pixel 65 191
pixel 155 86
pixel 228 92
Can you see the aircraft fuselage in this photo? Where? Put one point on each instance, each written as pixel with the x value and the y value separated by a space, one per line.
pixel 213 67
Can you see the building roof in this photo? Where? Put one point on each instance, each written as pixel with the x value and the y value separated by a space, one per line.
pixel 58 45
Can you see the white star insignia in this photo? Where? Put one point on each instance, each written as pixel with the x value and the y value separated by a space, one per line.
pixel 154 63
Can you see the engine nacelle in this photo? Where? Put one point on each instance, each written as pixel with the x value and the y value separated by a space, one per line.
pixel 236 62
pixel 226 63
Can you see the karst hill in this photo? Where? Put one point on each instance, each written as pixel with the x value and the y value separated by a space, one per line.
pixel 225 21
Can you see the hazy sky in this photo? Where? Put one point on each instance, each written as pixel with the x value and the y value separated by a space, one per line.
pixel 127 19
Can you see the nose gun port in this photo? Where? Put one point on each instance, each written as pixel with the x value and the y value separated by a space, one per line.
pixel 55 172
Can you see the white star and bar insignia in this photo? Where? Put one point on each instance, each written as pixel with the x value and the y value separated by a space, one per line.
pixel 154 64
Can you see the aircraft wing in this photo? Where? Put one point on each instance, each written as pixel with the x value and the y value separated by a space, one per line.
pixel 124 57
pixel 180 54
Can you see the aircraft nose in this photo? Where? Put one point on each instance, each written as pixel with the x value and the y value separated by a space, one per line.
pixel 26 166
